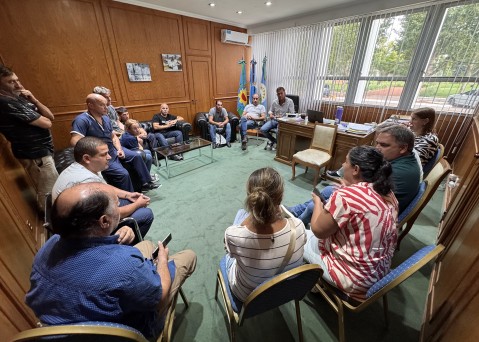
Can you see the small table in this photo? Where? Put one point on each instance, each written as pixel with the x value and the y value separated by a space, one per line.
pixel 193 144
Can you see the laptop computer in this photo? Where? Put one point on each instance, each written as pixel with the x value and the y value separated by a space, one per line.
pixel 315 116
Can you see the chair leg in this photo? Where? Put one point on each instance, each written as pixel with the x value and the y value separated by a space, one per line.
pixel 298 320
pixel 293 166
pixel 342 337
pixel 316 176
pixel 217 285
pixel 183 297
pixel 386 309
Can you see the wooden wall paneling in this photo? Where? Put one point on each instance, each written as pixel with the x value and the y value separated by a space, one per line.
pixel 62 128
pixel 197 35
pixel 58 55
pixel 143 113
pixel 200 74
pixel 230 104
pixel 226 69
pixel 139 35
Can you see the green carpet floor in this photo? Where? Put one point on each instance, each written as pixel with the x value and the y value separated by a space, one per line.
pixel 201 201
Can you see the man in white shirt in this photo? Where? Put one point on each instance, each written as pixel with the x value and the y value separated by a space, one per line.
pixel 279 108
pixel 91 157
pixel 252 114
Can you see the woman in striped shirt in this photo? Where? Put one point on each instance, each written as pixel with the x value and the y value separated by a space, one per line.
pixel 355 231
pixel 426 142
pixel 258 240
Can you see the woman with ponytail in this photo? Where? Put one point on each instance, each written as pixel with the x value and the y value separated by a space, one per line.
pixel 353 235
pixel 257 242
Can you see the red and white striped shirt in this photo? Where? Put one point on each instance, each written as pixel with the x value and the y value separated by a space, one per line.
pixel 360 252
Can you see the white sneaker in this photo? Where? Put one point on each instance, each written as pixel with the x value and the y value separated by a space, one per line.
pixel 268 146
pixel 154 177
pixel 273 147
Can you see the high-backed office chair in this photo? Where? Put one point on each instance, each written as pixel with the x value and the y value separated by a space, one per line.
pixel 433 161
pixel 428 188
pixel 85 331
pixel 320 151
pixel 295 99
pixel 339 300
pixel 283 288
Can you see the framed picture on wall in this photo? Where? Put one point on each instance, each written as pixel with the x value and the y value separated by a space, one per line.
pixel 172 62
pixel 138 72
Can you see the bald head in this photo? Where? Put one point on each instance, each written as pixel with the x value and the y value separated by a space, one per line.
pixel 96 104
pixel 85 210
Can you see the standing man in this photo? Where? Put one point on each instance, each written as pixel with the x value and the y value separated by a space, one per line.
pixel 279 108
pixel 218 118
pixel 116 124
pixel 252 114
pixel 94 122
pixel 83 274
pixel 26 123
pixel 164 125
pixel 91 158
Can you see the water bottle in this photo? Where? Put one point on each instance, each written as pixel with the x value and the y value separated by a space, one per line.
pixel 339 115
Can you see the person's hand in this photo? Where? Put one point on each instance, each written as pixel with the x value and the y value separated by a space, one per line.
pixel 220 124
pixel 249 117
pixel 121 154
pixel 271 115
pixel 142 201
pixel 162 258
pixel 134 195
pixel 126 235
pixel 27 94
pixel 316 199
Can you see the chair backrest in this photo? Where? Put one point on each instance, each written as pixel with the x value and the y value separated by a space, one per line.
pixel 290 285
pixel 406 269
pixel 315 116
pixel 86 331
pixel 414 205
pixel 47 220
pixel 433 161
pixel 323 138
pixel 295 99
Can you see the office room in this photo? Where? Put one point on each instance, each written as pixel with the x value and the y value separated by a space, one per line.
pixel 376 60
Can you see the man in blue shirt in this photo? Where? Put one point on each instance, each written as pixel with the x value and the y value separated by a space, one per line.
pixel 83 274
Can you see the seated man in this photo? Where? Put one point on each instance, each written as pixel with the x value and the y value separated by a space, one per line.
pixel 396 143
pixel 164 125
pixel 91 157
pixel 82 274
pixel 94 122
pixel 252 114
pixel 279 108
pixel 116 124
pixel 218 118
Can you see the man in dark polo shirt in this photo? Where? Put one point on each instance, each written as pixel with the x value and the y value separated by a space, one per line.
pixel 26 123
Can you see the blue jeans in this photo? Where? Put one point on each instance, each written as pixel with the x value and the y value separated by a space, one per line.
pixel 143 216
pixel 267 127
pixel 161 137
pixel 136 160
pixel 246 124
pixel 313 256
pixel 117 175
pixel 305 210
pixel 212 129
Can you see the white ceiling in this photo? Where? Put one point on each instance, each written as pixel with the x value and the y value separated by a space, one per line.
pixel 255 12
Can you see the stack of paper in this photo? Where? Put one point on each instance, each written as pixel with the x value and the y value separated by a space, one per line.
pixel 358 128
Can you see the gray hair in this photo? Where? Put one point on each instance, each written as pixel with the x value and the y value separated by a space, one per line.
pixel 101 90
pixel 402 134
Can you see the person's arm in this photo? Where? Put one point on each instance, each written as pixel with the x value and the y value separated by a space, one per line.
pixel 116 143
pixel 210 120
pixel 262 117
pixel 41 122
pixel 164 272
pixel 137 201
pixel 291 107
pixel 322 222
pixel 126 235
pixel 74 138
pixel 42 109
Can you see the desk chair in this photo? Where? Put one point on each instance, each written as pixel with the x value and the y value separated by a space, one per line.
pixel 295 99
pixel 426 190
pixel 85 331
pixel 339 300
pixel 283 288
pixel 433 161
pixel 320 151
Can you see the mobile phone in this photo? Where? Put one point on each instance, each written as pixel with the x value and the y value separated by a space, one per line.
pixel 165 241
pixel 317 193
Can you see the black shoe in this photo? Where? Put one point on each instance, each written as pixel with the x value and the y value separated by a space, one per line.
pixel 334 174
pixel 213 145
pixel 228 144
pixel 243 145
pixel 175 157
pixel 149 186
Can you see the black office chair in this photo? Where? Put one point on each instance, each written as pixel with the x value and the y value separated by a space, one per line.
pixel 295 99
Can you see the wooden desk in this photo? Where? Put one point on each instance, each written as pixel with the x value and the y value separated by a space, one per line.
pixel 296 136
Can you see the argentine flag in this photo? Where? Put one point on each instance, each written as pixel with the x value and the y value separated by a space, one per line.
pixel 262 86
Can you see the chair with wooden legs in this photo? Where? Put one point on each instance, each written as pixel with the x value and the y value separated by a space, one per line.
pixel 319 153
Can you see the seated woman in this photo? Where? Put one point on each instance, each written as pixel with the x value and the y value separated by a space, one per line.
pixel 258 240
pixel 353 236
pixel 129 140
pixel 426 142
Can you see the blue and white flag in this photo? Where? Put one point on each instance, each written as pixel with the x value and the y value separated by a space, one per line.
pixel 252 80
pixel 262 86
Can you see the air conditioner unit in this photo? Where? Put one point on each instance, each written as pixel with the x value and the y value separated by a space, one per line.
pixel 233 37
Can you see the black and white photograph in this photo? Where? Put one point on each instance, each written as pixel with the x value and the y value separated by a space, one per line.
pixel 138 72
pixel 172 62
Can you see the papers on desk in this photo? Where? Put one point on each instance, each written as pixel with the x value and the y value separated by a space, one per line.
pixel 356 128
